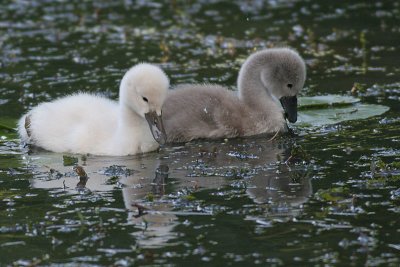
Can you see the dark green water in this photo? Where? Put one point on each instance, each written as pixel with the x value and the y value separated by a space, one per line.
pixel 237 202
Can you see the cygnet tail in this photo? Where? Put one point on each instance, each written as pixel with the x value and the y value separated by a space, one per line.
pixel 24 129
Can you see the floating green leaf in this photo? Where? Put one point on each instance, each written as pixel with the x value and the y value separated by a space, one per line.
pixel 7 127
pixel 325 101
pixel 150 197
pixel 333 194
pixel 69 160
pixel 331 109
pixel 113 180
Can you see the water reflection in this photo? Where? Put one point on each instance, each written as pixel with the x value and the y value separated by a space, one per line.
pixel 160 180
pixel 153 185
pixel 53 48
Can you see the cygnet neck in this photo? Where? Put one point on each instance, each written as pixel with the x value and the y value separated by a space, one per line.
pixel 251 89
pixel 128 117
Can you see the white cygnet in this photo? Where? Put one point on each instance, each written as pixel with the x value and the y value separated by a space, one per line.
pixel 86 123
pixel 268 84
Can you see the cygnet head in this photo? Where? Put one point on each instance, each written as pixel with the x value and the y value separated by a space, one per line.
pixel 282 74
pixel 143 89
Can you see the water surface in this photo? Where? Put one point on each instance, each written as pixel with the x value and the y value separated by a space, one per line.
pixel 329 196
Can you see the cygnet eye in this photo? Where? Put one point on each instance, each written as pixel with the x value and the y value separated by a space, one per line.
pixel 145 99
pixel 289 85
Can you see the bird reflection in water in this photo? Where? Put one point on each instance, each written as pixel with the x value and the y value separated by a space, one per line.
pixel 160 180
pixel 274 176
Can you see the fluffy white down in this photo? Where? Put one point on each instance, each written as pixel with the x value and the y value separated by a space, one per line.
pixel 86 123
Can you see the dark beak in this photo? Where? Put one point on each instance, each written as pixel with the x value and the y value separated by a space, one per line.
pixel 289 104
pixel 156 127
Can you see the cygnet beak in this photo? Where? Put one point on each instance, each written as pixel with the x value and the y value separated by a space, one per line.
pixel 156 127
pixel 289 104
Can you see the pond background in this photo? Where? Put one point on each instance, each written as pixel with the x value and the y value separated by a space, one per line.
pixel 327 197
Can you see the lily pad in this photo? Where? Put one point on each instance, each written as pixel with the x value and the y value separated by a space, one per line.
pixel 331 109
pixel 324 101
